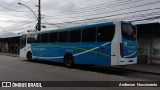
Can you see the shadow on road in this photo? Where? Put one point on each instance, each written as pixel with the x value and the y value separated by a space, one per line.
pixel 104 70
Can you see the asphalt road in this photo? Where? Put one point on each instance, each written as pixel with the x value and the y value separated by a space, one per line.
pixel 19 69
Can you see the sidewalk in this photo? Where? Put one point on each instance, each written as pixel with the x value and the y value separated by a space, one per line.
pixel 8 54
pixel 144 68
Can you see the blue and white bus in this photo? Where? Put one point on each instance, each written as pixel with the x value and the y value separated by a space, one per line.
pixel 103 44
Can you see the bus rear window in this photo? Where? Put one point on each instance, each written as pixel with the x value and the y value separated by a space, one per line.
pixel 128 31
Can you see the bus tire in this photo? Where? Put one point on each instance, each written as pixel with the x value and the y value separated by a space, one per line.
pixel 68 60
pixel 29 56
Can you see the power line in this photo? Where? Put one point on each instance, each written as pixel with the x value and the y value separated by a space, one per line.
pixel 102 7
pixel 12 28
pixel 18 18
pixel 107 6
pixel 109 16
pixel 19 26
pixel 15 19
pixel 150 18
pixel 115 10
pixel 83 20
pixel 9 9
pixel 133 17
pixel 10 4
pixel 139 16
pixel 95 6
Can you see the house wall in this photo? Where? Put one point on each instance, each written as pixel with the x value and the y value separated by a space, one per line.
pixel 156 50
pixel 7 43
pixel 149 44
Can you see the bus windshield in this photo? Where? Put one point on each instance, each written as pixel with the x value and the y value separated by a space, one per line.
pixel 128 31
pixel 23 42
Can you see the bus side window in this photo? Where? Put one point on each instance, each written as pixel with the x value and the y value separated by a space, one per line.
pixel 63 36
pixel 35 38
pixel 105 33
pixel 28 39
pixel 89 35
pixel 53 37
pixel 32 39
pixel 75 36
pixel 39 38
pixel 44 38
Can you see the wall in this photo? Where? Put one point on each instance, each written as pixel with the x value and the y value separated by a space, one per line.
pixel 148 43
pixel 7 43
pixel 156 50
pixel 142 51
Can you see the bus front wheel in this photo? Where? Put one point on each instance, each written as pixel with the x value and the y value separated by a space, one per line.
pixel 68 60
pixel 29 56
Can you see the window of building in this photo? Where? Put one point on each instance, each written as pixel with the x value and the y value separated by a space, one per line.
pixel 89 35
pixel 53 37
pixel 63 36
pixel 75 36
pixel 105 33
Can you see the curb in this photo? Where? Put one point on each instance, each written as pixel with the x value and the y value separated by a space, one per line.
pixel 133 70
pixel 9 55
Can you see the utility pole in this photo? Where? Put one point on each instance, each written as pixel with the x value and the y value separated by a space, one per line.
pixel 39 15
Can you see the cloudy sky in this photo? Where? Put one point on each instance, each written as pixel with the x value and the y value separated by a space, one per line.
pixel 17 18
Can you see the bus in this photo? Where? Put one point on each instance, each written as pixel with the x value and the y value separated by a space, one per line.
pixel 101 44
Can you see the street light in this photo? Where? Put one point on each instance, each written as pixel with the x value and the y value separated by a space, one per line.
pixel 30 9
pixel 38 26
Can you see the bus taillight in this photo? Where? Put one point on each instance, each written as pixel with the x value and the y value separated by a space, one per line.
pixel 121 50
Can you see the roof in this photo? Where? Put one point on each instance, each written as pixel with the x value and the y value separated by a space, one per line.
pixel 7 34
pixel 148 26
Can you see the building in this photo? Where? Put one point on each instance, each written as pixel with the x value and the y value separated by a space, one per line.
pixel 10 45
pixel 148 43
pixel 9 42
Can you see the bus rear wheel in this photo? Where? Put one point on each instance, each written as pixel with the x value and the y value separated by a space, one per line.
pixel 68 60
pixel 29 56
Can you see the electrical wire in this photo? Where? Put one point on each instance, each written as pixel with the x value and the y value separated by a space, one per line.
pixel 88 19
pixel 101 8
pixel 111 11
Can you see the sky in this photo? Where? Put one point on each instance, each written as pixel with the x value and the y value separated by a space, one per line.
pixel 15 18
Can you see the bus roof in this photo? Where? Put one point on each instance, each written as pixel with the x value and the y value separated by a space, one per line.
pixel 72 28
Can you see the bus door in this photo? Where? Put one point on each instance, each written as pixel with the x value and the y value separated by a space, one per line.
pixel 23 46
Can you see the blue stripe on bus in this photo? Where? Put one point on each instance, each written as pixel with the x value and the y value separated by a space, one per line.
pixel 100 56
